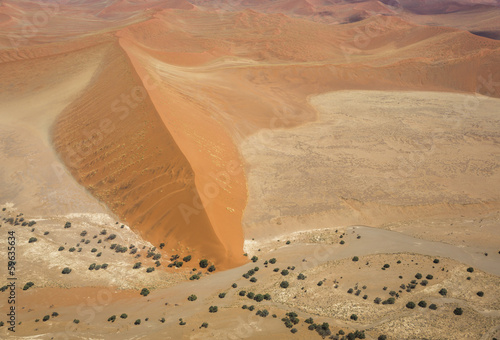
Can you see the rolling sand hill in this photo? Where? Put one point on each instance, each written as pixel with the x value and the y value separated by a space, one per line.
pixel 168 132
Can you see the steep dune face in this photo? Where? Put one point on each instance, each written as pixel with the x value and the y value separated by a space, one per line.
pixel 114 142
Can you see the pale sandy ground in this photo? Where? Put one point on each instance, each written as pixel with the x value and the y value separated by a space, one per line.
pixel 372 159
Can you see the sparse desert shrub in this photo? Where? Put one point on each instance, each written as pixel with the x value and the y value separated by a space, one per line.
pixel 433 307
pixel 111 237
pixel 429 277
pixel 76 321
pixel 436 261
pixel 250 295
pixel 382 337
pixel 137 265
pixel 46 318
pixel 55 314
pixel 350 291
pixel 211 268
pixel 294 330
pixel 194 277
pixel 422 304
pixel 32 239
pixel 66 270
pixel 267 297
pixel 234 285
pixel 156 257
pixel 320 283
pixel 276 270
pixel 309 321
pixel 254 259
pixel 284 284
pixel 342 242
pixel 284 272
pixel 203 263
pixel 67 225
pixel 178 264
pixel 253 279
pixel 222 295
pixel 150 269
pixel 251 308
pixel 259 297
pixel 204 325
pixel 163 245
pixel 410 305
pixel 354 317
pixel 98 254
pixel 301 277
pixel 480 294
pixel 443 291
pixel 123 316
pixel 145 292
pixel 458 311
pixel 377 300
pixel 424 283
pixel 355 258
pixel 192 297
pixel 28 285
pixel 213 309
pixel 272 261
pixel 242 293
pixel 83 233
pixel 92 266
pixel 162 320
pixel 137 322
pixel 186 258
pixel 418 276
pixel 470 270
pixel 61 248
pixel 112 318
pixel 387 265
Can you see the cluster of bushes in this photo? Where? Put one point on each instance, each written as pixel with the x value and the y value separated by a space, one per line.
pixel 291 319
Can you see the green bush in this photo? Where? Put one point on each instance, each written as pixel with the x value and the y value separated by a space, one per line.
pixel 61 248
pixel 272 261
pixel 137 322
pixel 301 277
pixel 192 297
pixel 259 297
pixel 203 263
pixel 254 258
pixel 145 292
pixel 433 307
pixel 284 272
pixel 342 242
pixel 480 294
pixel 294 330
pixel 124 316
pixel 253 279
pixel 112 318
pixel 213 309
pixel 418 276
pixel 234 285
pixel 429 277
pixel 76 321
pixel 204 325
pixel 46 318
pixel 355 258
pixel 222 295
pixel 186 258
pixel 470 270
pixel 150 269
pixel 276 270
pixel 211 268
pixel 284 284
pixel 436 261
pixel 66 270
pixel 410 305
pixel 67 225
pixel 250 295
pixel 443 291
pixel 242 293
pixel 458 311
pixel 28 285
pixel 309 321
pixel 422 304
pixel 32 239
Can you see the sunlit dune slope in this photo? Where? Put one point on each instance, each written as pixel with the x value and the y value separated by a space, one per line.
pixel 114 142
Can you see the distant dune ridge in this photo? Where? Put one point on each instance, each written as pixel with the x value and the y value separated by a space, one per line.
pixel 179 85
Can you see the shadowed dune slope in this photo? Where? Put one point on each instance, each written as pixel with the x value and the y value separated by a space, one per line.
pixel 113 141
